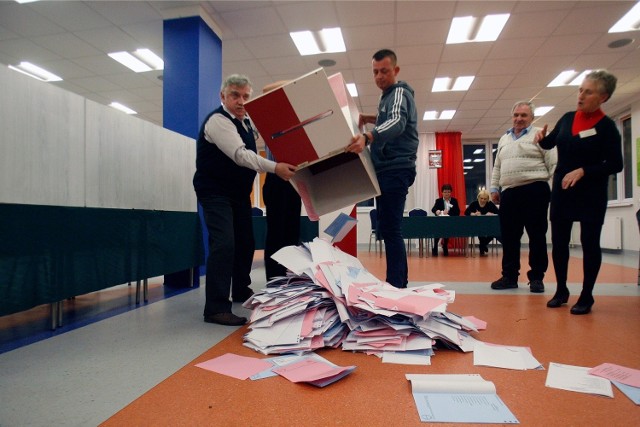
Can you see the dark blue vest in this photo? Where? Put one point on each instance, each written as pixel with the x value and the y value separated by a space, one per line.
pixel 217 174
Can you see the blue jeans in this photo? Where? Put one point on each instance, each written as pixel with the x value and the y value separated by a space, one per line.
pixel 394 186
pixel 231 248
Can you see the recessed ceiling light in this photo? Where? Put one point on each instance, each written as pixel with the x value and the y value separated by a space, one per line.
pixel 619 43
pixel 326 63
pixel 35 72
pixel 629 22
pixel 467 29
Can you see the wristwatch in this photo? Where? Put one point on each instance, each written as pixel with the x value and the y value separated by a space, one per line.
pixel 366 139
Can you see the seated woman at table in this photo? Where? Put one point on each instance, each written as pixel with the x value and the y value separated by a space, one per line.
pixel 482 206
pixel 444 206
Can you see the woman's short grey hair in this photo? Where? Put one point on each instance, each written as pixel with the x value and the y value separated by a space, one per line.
pixel 239 80
pixel 529 104
pixel 484 193
pixel 605 80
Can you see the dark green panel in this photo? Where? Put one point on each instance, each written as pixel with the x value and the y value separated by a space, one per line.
pixel 49 253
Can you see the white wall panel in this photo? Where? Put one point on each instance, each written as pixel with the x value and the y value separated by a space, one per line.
pixel 41 142
pixel 134 164
pixel 59 149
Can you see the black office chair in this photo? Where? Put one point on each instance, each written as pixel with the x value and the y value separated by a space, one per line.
pixel 255 211
pixel 373 216
pixel 417 212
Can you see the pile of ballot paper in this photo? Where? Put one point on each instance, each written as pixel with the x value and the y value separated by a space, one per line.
pixel 331 300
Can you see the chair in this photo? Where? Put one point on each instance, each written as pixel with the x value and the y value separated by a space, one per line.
pixel 417 212
pixel 255 211
pixel 373 216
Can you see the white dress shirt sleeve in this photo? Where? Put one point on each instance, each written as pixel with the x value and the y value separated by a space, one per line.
pixel 222 132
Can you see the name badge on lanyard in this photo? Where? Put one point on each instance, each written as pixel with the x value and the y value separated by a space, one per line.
pixel 587 133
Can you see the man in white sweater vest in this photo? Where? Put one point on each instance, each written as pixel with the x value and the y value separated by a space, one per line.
pixel 520 185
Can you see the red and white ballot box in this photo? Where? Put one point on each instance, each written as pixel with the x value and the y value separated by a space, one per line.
pixel 308 122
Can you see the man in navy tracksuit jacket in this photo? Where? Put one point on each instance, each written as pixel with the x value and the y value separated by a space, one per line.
pixel 394 143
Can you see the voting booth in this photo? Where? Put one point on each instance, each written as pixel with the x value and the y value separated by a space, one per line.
pixel 308 122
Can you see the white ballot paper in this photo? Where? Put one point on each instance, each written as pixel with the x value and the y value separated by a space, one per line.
pixel 504 356
pixel 466 398
pixel 577 378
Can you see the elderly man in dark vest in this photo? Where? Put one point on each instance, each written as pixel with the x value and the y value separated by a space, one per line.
pixel 226 166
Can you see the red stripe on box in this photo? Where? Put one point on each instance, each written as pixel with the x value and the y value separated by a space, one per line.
pixel 273 113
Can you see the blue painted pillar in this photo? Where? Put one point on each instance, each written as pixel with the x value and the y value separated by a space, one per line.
pixel 191 86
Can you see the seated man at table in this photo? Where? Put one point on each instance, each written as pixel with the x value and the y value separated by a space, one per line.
pixel 444 206
pixel 482 206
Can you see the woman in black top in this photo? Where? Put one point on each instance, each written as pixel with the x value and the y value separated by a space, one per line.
pixel 589 150
pixel 444 206
pixel 482 206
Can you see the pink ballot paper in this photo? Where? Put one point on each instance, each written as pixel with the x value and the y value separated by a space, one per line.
pixel 239 367
pixel 617 373
pixel 313 371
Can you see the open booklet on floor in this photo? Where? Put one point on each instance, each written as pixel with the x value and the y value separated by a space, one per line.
pixel 465 398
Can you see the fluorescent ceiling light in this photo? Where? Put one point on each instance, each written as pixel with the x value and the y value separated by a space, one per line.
pixel 327 40
pixel 447 114
pixel 478 151
pixel 467 167
pixel 35 72
pixel 144 60
pixel 541 111
pixel 150 58
pixel 478 160
pixel 568 78
pixel 130 61
pixel 122 108
pixel 578 80
pixel 463 83
pixel 25 1
pixel 466 161
pixel 443 84
pixel 430 115
pixel 629 22
pixel 444 115
pixel 467 29
pixel 353 91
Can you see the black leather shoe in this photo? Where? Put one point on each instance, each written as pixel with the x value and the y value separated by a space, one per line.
pixel 579 308
pixel 504 283
pixel 445 251
pixel 583 305
pixel 536 286
pixel 226 319
pixel 557 300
